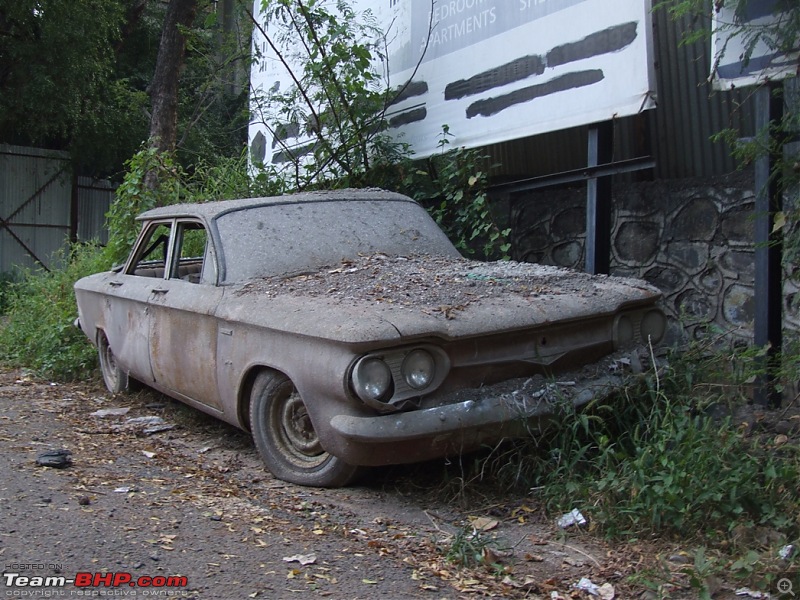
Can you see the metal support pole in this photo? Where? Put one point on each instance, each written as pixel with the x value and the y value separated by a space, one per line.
pixel 768 246
pixel 598 200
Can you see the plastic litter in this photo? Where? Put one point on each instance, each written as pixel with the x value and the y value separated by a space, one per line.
pixel 574 517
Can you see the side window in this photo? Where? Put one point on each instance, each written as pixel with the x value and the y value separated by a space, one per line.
pixel 151 258
pixel 190 249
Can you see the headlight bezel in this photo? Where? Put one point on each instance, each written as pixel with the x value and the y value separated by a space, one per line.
pixel 401 393
pixel 371 379
pixel 642 326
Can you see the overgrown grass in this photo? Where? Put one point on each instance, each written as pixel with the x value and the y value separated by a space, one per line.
pixel 667 458
pixel 6 281
pixel 663 456
pixel 38 331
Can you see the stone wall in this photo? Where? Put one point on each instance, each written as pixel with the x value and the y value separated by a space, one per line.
pixel 693 240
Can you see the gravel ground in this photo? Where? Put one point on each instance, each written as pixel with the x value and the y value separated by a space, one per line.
pixel 186 496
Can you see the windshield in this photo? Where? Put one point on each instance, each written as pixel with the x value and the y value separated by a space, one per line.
pixel 290 238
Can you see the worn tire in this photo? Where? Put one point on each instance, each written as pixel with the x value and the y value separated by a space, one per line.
pixel 115 378
pixel 285 438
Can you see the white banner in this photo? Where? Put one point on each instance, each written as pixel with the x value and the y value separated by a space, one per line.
pixel 733 36
pixel 497 70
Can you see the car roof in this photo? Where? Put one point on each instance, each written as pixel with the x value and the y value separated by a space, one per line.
pixel 212 210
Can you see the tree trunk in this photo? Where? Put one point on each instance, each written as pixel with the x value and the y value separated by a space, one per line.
pixel 164 86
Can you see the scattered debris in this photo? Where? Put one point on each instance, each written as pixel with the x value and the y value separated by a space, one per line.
pixel 751 593
pixel 57 459
pixel 151 424
pixel 574 517
pixel 483 523
pixel 436 285
pixel 605 591
pixel 111 412
pixel 303 559
pixel 786 552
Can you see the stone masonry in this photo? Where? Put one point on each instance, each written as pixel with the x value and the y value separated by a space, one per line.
pixel 692 239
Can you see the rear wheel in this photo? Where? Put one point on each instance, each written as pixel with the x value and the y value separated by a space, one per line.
pixel 115 378
pixel 286 439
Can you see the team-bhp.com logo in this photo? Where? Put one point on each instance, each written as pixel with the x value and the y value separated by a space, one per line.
pixel 95 580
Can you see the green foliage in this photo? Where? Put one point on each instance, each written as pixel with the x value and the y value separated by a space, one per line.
pixel 656 459
pixel 780 35
pixel 337 103
pixel 75 77
pixel 77 39
pixel 133 197
pixel 222 179
pixel 39 332
pixel 65 85
pixel 6 281
pixel 457 196
pixel 471 547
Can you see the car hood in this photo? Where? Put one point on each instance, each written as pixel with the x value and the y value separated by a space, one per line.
pixel 382 298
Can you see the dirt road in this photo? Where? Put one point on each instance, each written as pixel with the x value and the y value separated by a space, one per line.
pixel 182 502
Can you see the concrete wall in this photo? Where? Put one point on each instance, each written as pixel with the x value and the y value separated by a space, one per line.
pixel 692 239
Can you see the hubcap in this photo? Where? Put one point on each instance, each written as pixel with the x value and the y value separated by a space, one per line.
pixel 297 427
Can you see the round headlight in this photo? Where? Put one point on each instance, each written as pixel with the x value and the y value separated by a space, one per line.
pixel 418 369
pixel 654 324
pixel 623 331
pixel 372 379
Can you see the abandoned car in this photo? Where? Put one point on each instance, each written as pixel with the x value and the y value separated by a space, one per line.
pixel 343 329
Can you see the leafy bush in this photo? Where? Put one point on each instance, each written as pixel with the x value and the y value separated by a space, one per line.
pixel 223 179
pixel 39 332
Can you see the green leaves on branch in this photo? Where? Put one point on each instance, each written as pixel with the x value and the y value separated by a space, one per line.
pixel 223 179
pixel 335 100
pixel 329 128
pixel 459 179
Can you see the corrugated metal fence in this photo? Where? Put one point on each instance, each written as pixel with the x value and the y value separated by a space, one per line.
pixel 43 205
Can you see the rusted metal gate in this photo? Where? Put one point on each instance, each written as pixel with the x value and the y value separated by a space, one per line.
pixel 43 205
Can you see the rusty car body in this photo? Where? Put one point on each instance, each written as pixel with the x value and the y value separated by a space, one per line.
pixel 343 329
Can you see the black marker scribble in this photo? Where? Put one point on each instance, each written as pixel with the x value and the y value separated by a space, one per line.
pixel 409 116
pixel 609 40
pixel 284 131
pixel 515 70
pixel 411 89
pixel 492 106
pixel 292 154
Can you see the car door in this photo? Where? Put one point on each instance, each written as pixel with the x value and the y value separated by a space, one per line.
pixel 127 293
pixel 183 326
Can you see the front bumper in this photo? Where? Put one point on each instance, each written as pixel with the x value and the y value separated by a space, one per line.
pixel 467 419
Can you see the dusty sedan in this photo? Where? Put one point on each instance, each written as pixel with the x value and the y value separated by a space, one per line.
pixel 343 329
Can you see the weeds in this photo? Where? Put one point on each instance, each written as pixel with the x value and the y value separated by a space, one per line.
pixel 39 333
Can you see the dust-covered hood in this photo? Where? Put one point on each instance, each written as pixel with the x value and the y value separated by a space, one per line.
pixel 384 298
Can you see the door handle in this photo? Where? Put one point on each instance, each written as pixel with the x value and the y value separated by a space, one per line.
pixel 159 291
pixel 115 283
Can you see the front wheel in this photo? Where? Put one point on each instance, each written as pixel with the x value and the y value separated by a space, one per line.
pixel 115 378
pixel 286 439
